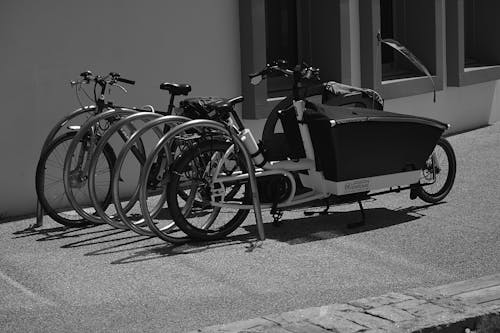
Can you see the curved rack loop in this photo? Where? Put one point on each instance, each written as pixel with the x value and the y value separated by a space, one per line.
pixel 163 144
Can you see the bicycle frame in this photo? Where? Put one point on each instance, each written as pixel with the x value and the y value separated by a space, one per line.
pixel 322 188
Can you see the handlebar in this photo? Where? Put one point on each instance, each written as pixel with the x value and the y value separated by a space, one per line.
pixel 280 68
pixel 103 81
pixel 127 81
pixel 300 73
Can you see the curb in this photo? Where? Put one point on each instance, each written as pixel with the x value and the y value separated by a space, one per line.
pixel 466 306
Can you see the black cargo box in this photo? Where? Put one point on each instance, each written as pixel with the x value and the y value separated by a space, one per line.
pixel 353 143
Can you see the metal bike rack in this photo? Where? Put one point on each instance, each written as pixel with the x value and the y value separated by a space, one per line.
pixel 39 215
pixel 156 120
pixel 248 160
pixel 52 134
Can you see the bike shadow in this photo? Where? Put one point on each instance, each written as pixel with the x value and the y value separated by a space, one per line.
pixel 337 224
pixel 291 231
pixel 62 232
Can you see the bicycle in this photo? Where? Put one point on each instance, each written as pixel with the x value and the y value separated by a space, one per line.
pixel 197 107
pixel 342 155
pixel 57 205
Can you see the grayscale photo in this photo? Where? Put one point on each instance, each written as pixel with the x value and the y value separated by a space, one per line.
pixel 250 166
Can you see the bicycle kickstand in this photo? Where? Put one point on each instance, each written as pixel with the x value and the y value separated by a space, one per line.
pixel 363 218
pixel 277 214
pixel 322 212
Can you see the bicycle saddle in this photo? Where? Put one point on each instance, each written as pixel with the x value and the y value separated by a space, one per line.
pixel 176 88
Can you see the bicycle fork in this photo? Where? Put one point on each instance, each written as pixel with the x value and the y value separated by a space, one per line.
pixel 80 173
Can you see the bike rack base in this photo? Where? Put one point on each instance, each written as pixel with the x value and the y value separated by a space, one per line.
pixel 39 215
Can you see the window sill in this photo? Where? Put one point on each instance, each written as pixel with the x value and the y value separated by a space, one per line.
pixel 474 75
pixel 409 86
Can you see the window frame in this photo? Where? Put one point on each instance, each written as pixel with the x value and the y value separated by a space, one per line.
pixel 457 74
pixel 371 55
pixel 252 15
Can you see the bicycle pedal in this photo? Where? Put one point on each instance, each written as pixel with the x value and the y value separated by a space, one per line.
pixel 277 224
pixel 322 212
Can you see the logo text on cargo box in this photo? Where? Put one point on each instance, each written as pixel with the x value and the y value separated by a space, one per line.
pixel 357 186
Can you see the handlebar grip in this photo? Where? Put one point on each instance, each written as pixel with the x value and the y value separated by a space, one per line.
pixel 127 81
pixel 254 74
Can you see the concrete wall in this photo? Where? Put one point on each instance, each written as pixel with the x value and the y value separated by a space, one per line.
pixel 45 44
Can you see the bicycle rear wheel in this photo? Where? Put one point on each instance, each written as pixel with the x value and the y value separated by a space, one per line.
pixel 439 174
pixel 154 186
pixel 190 183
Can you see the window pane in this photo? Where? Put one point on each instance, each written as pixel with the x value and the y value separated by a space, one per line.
pixel 394 23
pixel 281 30
pixel 281 40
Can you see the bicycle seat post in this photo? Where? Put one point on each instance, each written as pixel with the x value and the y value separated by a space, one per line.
pixel 171 103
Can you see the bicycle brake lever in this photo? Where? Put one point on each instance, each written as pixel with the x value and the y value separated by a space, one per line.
pixel 121 87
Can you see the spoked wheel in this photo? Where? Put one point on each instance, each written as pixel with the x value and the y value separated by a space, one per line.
pixel 77 162
pixel 75 178
pixel 439 174
pixel 50 185
pixel 189 192
pixel 155 196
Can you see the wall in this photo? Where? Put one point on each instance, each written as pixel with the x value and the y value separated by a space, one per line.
pixel 48 43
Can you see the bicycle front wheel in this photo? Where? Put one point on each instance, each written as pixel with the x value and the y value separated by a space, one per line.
pixel 49 183
pixel 75 177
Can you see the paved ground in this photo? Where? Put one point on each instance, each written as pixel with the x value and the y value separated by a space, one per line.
pixel 101 279
pixel 465 306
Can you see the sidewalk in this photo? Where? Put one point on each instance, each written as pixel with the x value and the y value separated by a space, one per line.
pixel 467 306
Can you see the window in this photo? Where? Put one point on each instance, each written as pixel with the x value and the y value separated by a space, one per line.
pixel 472 55
pixel 415 24
pixel 314 31
pixel 393 17
pixel 281 40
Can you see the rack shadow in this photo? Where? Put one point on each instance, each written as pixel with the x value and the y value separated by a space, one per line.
pixel 292 231
pixel 336 224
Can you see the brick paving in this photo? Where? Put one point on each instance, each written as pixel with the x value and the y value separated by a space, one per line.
pixel 472 305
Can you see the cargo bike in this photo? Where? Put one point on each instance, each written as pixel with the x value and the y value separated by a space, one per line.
pixel 333 155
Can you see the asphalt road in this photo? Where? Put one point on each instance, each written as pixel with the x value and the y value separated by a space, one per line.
pixel 101 279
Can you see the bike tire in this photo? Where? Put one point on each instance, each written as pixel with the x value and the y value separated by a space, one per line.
pixel 52 196
pixel 75 176
pixel 442 160
pixel 155 202
pixel 191 166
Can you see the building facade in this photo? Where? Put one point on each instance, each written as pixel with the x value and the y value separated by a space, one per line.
pixel 213 45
